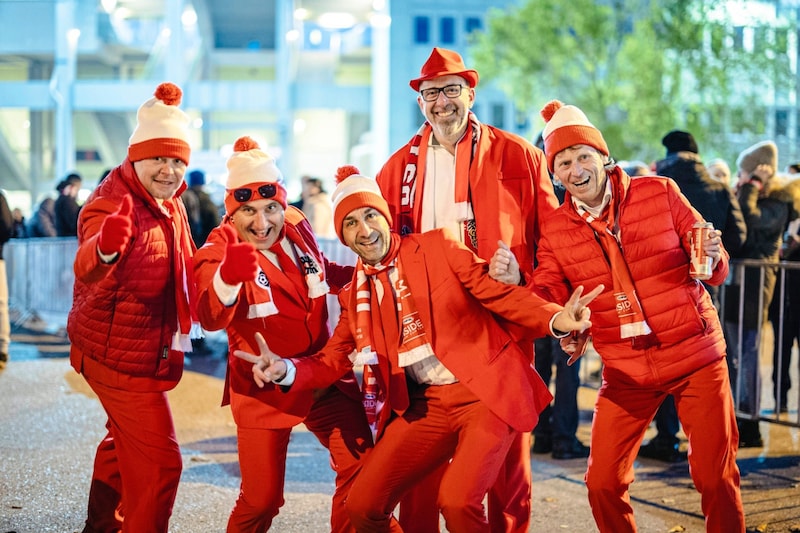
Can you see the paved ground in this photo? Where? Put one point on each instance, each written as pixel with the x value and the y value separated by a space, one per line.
pixel 51 423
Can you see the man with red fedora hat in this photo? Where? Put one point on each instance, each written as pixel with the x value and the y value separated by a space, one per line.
pixel 485 185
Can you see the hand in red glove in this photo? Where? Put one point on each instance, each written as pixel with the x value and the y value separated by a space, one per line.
pixel 240 263
pixel 117 229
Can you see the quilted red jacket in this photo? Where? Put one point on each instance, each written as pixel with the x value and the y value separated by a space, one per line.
pixel 124 314
pixel 654 222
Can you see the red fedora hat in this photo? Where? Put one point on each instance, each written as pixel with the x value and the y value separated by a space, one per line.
pixel 443 62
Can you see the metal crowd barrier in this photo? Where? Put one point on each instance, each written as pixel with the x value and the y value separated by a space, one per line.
pixel 770 355
pixel 40 276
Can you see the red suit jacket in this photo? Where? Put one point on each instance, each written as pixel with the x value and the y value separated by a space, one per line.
pixel 457 302
pixel 299 328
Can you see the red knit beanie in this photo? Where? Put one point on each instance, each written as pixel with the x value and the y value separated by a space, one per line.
pixel 355 191
pixel 162 129
pixel 565 126
pixel 248 168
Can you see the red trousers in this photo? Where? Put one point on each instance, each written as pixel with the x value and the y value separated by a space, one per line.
pixel 705 408
pixel 137 466
pixel 340 425
pixel 509 499
pixel 442 422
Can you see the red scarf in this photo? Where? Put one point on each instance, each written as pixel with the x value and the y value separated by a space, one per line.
pixel 465 151
pixel 259 291
pixel 188 326
pixel 633 323
pixel 384 286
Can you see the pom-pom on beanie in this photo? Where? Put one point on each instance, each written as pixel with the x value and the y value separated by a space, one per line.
pixel 354 191
pixel 565 126
pixel 162 129
pixel 249 167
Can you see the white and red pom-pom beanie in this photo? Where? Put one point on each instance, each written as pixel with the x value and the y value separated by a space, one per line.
pixel 565 126
pixel 355 191
pixel 162 129
pixel 250 167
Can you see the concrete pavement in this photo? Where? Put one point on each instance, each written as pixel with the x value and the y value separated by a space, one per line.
pixel 51 423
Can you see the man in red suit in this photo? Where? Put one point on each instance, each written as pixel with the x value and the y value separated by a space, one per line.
pixel 421 312
pixel 484 184
pixel 261 271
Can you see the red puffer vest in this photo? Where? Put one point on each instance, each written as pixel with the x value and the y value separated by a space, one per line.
pixel 125 319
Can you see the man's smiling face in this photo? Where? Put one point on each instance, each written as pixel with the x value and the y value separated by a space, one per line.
pixel 580 170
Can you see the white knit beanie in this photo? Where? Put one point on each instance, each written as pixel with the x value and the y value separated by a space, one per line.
pixel 565 126
pixel 250 167
pixel 355 191
pixel 162 129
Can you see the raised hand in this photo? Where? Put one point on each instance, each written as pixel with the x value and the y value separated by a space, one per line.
pixel 267 367
pixel 503 266
pixel 575 316
pixel 117 229
pixel 240 262
pixel 574 345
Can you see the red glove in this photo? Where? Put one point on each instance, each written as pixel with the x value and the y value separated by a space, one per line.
pixel 240 263
pixel 117 229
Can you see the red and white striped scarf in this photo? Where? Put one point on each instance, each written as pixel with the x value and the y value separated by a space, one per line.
pixel 465 151
pixel 384 286
pixel 259 291
pixel 633 323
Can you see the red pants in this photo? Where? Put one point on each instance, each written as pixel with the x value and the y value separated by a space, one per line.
pixel 509 499
pixel 442 422
pixel 137 466
pixel 705 408
pixel 340 425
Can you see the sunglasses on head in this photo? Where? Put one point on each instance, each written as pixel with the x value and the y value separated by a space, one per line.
pixel 266 191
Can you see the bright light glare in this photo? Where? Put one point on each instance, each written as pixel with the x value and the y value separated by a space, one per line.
pixel 189 17
pixel 108 5
pixel 315 37
pixel 336 21
pixel 301 13
pixel 292 36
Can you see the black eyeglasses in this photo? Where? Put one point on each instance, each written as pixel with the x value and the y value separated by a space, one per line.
pixel 266 191
pixel 450 91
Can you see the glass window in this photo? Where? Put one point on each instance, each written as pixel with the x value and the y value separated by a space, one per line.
pixel 422 30
pixel 781 122
pixel 472 24
pixel 447 30
pixel 498 115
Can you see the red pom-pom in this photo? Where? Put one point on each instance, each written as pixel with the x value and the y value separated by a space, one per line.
pixel 169 93
pixel 244 144
pixel 550 109
pixel 344 172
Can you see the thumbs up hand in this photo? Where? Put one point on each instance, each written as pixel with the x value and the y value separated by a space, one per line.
pixel 117 229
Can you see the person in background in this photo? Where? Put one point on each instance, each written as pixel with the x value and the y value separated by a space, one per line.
pixel 132 316
pixel 719 170
pixel 43 221
pixel 66 208
pixel 485 185
pixel 717 204
pixel 6 232
pixel 201 209
pixel 316 205
pixel 767 211
pixel 446 397
pixel 655 327
pixel 261 271
pixel 20 229
pixel 793 168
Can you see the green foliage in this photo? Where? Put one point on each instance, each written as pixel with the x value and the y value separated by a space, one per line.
pixel 639 68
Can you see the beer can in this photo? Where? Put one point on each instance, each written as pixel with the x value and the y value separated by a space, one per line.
pixel 700 265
